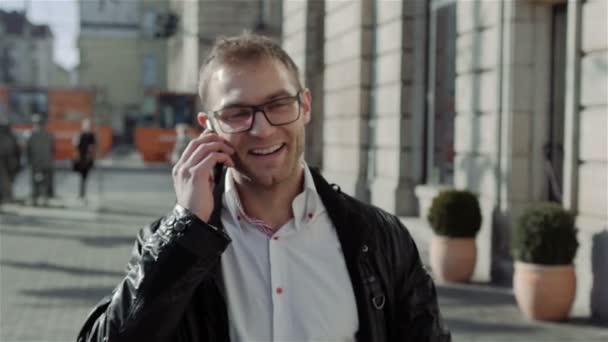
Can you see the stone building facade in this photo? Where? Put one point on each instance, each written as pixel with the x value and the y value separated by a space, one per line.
pixel 505 98
pixel 201 22
pixel 26 52
pixel 120 58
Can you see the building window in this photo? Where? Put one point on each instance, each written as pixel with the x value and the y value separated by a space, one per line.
pixel 553 149
pixel 441 88
pixel 150 74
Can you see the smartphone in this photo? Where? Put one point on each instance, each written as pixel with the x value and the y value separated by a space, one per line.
pixel 209 125
pixel 218 168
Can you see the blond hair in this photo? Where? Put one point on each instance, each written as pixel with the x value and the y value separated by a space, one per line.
pixel 246 47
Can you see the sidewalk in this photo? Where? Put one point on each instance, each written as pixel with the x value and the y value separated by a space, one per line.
pixel 57 262
pixel 128 159
pixel 486 313
pixel 121 159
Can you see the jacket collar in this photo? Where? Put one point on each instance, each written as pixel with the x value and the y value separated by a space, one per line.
pixel 351 228
pixel 351 232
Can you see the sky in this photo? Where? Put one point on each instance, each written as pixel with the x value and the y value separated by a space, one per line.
pixel 62 17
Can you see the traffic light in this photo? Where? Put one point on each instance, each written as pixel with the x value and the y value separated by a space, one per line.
pixel 166 25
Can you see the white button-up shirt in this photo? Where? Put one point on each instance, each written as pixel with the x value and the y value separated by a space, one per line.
pixel 292 285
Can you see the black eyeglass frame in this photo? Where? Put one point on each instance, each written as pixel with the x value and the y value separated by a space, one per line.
pixel 260 108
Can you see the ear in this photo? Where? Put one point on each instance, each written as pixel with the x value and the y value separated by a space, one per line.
pixel 306 104
pixel 202 119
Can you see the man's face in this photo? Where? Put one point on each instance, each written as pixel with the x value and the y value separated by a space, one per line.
pixel 266 155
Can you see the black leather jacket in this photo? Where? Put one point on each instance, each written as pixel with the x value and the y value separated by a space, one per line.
pixel 173 289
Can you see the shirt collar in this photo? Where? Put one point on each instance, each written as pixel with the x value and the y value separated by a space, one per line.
pixel 306 205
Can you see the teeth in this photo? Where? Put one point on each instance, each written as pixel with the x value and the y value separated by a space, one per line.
pixel 268 150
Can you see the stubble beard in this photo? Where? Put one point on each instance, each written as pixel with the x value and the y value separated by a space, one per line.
pixel 247 174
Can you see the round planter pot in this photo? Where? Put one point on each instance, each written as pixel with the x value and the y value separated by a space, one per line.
pixel 453 259
pixel 544 292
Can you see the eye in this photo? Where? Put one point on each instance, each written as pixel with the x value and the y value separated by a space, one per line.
pixel 280 103
pixel 234 114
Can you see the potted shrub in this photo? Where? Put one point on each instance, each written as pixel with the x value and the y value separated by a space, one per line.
pixel 544 246
pixel 455 218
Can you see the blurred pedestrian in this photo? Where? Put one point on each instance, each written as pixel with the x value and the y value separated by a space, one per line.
pixel 181 141
pixel 40 149
pixel 10 160
pixel 86 146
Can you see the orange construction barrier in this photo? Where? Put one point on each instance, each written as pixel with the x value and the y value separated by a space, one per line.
pixel 156 144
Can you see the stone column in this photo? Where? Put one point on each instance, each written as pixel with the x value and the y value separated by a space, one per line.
pixel 182 49
pixel 398 96
pixel 303 34
pixel 591 197
pixel 477 122
pixel 346 101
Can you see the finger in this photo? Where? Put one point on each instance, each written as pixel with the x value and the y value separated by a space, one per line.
pixel 190 148
pixel 204 150
pixel 204 137
pixel 193 144
pixel 209 162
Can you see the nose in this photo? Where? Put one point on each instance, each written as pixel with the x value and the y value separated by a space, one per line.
pixel 260 127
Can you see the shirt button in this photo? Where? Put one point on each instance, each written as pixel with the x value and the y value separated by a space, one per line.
pixel 275 237
pixel 310 215
pixel 238 217
pixel 279 290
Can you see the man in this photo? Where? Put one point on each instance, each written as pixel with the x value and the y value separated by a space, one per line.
pixel 264 249
pixel 10 156
pixel 40 149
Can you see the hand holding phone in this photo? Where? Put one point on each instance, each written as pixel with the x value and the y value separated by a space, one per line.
pixel 193 174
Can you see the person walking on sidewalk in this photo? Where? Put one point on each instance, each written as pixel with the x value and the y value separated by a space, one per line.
pixel 10 159
pixel 86 147
pixel 40 151
pixel 259 246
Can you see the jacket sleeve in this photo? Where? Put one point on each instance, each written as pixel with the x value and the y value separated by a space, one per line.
pixel 417 313
pixel 169 259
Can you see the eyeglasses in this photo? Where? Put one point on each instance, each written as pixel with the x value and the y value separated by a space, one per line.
pixel 278 112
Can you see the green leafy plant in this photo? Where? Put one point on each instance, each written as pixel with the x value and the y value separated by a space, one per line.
pixel 545 234
pixel 455 213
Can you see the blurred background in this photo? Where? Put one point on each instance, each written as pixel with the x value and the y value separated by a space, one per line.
pixel 507 99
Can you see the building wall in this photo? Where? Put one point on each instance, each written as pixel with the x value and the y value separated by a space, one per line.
pixel 115 37
pixel 32 60
pixel 232 17
pixel 302 36
pixel 593 147
pixel 374 115
pixel 62 78
pixel 502 124
pixel 396 121
pixel 592 173
pixel 201 22
pixel 118 88
pixel 347 94
pixel 183 48
pixel 477 136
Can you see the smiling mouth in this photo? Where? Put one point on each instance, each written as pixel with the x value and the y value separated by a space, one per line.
pixel 267 151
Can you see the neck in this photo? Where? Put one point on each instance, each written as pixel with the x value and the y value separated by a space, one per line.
pixel 270 204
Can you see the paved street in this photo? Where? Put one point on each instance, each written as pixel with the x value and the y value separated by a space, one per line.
pixel 56 263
